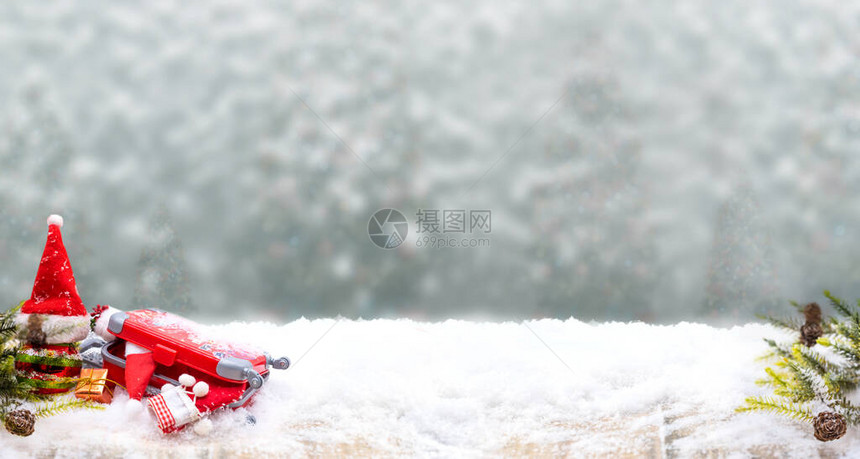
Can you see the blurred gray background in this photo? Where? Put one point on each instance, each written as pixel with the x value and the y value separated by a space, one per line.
pixel 643 160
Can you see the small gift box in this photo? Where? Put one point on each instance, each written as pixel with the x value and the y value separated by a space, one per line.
pixel 94 385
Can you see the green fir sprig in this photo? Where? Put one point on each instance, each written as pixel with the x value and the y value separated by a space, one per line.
pixel 813 375
pixel 61 405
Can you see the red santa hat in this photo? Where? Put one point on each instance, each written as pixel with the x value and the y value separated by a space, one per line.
pixel 55 300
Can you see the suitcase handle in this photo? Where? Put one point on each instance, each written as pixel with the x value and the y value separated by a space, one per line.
pixel 254 379
pixel 248 393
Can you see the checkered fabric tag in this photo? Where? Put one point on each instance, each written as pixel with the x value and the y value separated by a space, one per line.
pixel 166 421
pixel 173 409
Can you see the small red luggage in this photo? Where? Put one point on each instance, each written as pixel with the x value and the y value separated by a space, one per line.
pixel 234 373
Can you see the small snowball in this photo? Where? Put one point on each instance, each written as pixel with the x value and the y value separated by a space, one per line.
pixel 203 427
pixel 133 407
pixel 55 220
pixel 187 380
pixel 166 387
pixel 201 389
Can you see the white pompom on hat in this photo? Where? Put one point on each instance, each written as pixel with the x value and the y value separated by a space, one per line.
pixel 55 220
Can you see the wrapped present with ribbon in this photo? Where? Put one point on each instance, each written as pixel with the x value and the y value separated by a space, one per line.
pixel 94 385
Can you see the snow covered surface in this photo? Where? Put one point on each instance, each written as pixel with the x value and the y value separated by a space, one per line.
pixel 453 389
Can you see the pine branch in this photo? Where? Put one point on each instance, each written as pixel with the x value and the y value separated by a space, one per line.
pixel 803 385
pixel 841 382
pixel 811 359
pixel 779 349
pixel 13 390
pixel 774 379
pixel 842 307
pixel 797 306
pixel 846 330
pixel 58 406
pixel 787 324
pixel 8 328
pixel 794 411
pixel 839 404
pixel 766 357
pixel 850 353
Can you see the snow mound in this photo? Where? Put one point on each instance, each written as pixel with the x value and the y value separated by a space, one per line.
pixel 548 387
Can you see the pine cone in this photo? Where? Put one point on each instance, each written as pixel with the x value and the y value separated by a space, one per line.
pixel 810 332
pixel 829 426
pixel 812 311
pixel 20 422
pixel 35 334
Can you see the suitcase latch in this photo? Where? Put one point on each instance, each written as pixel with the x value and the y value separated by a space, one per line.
pixel 163 355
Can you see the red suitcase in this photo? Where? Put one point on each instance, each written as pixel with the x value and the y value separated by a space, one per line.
pixel 234 373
